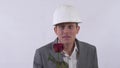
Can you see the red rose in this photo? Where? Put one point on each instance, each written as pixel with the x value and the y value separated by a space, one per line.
pixel 58 47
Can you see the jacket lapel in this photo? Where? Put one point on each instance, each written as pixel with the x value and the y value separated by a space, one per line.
pixel 53 53
pixel 80 55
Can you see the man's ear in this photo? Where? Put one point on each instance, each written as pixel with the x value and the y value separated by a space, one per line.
pixel 55 29
pixel 78 29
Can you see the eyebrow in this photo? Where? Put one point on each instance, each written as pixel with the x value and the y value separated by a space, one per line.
pixel 65 24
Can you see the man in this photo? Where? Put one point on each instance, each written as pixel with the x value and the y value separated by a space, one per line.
pixel 76 54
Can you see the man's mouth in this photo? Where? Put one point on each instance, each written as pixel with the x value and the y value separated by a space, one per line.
pixel 66 37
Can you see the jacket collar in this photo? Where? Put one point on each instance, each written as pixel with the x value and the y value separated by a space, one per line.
pixel 79 48
pixel 80 52
pixel 53 53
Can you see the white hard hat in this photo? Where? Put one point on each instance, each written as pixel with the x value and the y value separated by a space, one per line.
pixel 66 13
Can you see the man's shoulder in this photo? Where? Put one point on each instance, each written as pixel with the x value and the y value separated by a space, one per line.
pixel 45 47
pixel 85 44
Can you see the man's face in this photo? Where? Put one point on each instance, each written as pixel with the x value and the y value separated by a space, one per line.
pixel 66 32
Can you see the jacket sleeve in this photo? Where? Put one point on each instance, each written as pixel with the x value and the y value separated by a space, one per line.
pixel 37 63
pixel 95 60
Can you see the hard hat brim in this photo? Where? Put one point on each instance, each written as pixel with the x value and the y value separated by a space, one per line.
pixel 67 23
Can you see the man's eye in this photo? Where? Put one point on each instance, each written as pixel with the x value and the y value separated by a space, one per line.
pixel 61 27
pixel 70 27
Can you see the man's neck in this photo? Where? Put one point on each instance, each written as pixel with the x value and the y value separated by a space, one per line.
pixel 68 48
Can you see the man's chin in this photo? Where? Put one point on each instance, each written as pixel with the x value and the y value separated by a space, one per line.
pixel 66 42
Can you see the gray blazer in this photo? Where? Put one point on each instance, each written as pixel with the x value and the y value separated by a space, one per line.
pixel 86 56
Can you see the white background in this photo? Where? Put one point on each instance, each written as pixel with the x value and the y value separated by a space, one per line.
pixel 26 25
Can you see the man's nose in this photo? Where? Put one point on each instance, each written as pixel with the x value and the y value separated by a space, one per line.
pixel 66 30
